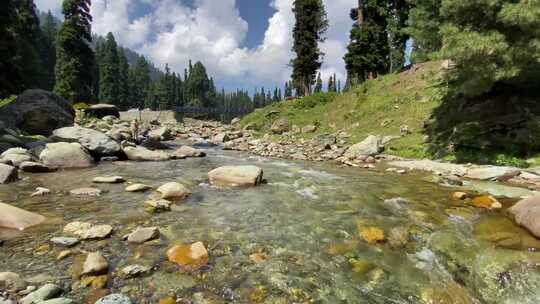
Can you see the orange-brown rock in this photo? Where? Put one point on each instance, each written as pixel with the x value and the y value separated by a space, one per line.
pixel 486 202
pixel 372 235
pixel 191 256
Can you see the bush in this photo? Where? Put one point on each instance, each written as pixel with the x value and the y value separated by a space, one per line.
pixel 314 100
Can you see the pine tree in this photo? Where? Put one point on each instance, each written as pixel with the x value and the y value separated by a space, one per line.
pixel 318 84
pixel 48 50
pixel 109 77
pixel 309 30
pixel 28 37
pixel 397 33
pixel 10 76
pixel 424 24
pixel 123 80
pixel 331 85
pixel 368 51
pixel 198 85
pixel 74 60
pixel 140 83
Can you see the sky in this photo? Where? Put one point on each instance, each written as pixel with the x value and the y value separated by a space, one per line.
pixel 243 43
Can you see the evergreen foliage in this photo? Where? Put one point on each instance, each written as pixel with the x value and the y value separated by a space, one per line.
pixel 109 72
pixel 309 29
pixel 74 57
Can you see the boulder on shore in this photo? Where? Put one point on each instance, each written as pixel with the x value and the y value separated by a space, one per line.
pixel 371 146
pixel 94 141
pixel 65 155
pixel 16 218
pixel 37 112
pixel 281 126
pixel 8 174
pixel 102 110
pixel 526 213
pixel 236 176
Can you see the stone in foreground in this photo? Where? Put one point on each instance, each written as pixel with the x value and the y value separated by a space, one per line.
pixel 15 218
pixel 138 188
pixel 115 298
pixel 66 155
pixel 87 231
pixel 142 235
pixel 191 257
pixel 174 191
pixel 8 174
pixel 370 146
pixel 46 292
pixel 236 176
pixel 108 180
pixel 186 151
pixel 526 213
pixel 85 192
pixel 34 167
pixel 12 282
pixel 95 264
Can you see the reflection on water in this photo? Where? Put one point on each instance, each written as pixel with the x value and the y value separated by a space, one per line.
pixel 305 223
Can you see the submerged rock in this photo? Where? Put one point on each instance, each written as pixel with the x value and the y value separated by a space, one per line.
pixel 66 155
pixel 85 192
pixel 486 202
pixel 236 176
pixel 12 282
pixel 191 257
pixel 65 241
pixel 46 292
pixel 87 231
pixel 15 218
pixel 115 298
pixel 186 151
pixel 492 173
pixel 372 235
pixel 132 271
pixel 142 235
pixel 157 205
pixel 8 174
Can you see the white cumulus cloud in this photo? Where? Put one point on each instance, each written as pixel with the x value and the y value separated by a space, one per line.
pixel 213 32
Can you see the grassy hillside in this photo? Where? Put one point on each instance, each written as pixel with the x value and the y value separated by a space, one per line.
pixel 380 106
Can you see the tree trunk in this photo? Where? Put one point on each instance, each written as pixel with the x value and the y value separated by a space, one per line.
pixel 360 13
pixel 306 89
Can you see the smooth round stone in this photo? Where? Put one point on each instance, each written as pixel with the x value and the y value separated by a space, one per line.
pixel 138 188
pixel 109 180
pixel 85 192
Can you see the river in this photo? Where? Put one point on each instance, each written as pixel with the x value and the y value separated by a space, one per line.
pixel 303 225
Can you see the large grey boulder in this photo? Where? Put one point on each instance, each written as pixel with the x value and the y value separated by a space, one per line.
pixel 94 141
pixel 16 218
pixel 370 146
pixel 66 155
pixel 281 126
pixel 526 213
pixel 142 154
pixel 102 110
pixel 236 176
pixel 162 133
pixel 37 112
pixel 8 174
pixel 493 173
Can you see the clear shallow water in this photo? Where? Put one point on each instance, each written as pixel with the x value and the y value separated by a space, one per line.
pixel 305 220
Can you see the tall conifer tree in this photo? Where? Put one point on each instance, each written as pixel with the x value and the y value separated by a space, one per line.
pixel 74 58
pixel 309 30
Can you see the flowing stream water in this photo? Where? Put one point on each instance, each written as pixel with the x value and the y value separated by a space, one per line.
pixel 304 223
